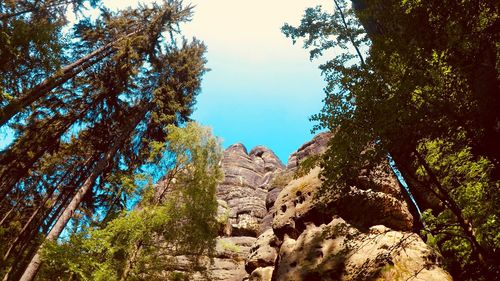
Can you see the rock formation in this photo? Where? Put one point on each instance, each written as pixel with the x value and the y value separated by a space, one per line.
pixel 275 227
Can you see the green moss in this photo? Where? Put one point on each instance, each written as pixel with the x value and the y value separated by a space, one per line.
pixel 178 276
pixel 229 246
pixel 281 179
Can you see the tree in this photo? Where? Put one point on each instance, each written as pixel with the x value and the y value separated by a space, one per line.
pixel 160 21
pixel 415 88
pixel 175 217
pixel 63 172
pixel 89 182
pixel 175 88
pixel 31 42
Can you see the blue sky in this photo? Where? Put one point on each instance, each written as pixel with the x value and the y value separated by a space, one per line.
pixel 261 89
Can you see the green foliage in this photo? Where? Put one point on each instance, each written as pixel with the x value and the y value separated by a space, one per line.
pixel 307 165
pixel 229 246
pixel 428 71
pixel 100 254
pixel 180 220
pixel 470 184
pixel 223 218
pixel 178 276
pixel 90 124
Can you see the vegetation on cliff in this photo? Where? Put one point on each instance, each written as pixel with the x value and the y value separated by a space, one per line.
pixel 417 82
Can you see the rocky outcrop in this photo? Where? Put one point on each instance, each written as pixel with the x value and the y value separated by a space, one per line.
pixel 298 204
pixel 338 251
pixel 277 227
pixel 315 146
pixel 242 207
pixel 229 259
pixel 263 252
pixel 360 232
pixel 244 189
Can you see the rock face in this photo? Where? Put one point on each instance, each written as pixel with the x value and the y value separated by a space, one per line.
pixel 242 207
pixel 316 146
pixel 338 251
pixel 275 227
pixel 244 189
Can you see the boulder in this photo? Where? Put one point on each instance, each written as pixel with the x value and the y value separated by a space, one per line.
pixel 262 274
pixel 229 261
pixel 263 252
pixel 338 251
pixel 299 203
pixel 295 205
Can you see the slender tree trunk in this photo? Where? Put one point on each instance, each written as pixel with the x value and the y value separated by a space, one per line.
pixel 7 214
pixel 25 243
pixel 46 226
pixel 131 261
pixel 64 198
pixel 20 262
pixel 23 233
pixel 16 167
pixel 468 230
pixel 35 263
pixel 32 269
pixel 111 204
pixel 353 42
pixel 57 79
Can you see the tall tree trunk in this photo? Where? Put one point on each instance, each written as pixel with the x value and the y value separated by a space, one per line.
pixel 60 77
pixel 351 38
pixel 12 209
pixel 477 250
pixel 35 263
pixel 14 167
pixel 131 261
pixel 24 233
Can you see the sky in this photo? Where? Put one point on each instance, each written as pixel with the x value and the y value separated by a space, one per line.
pixel 261 89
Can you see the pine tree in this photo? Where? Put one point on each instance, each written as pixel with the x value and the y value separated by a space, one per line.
pixel 174 217
pixel 65 168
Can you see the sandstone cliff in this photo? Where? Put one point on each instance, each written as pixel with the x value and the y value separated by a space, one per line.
pixel 276 227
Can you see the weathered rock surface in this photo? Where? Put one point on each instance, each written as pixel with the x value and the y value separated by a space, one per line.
pixel 297 205
pixel 275 227
pixel 262 274
pixel 338 251
pixel 315 146
pixel 263 252
pixel 229 262
pixel 244 188
pixel 242 207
